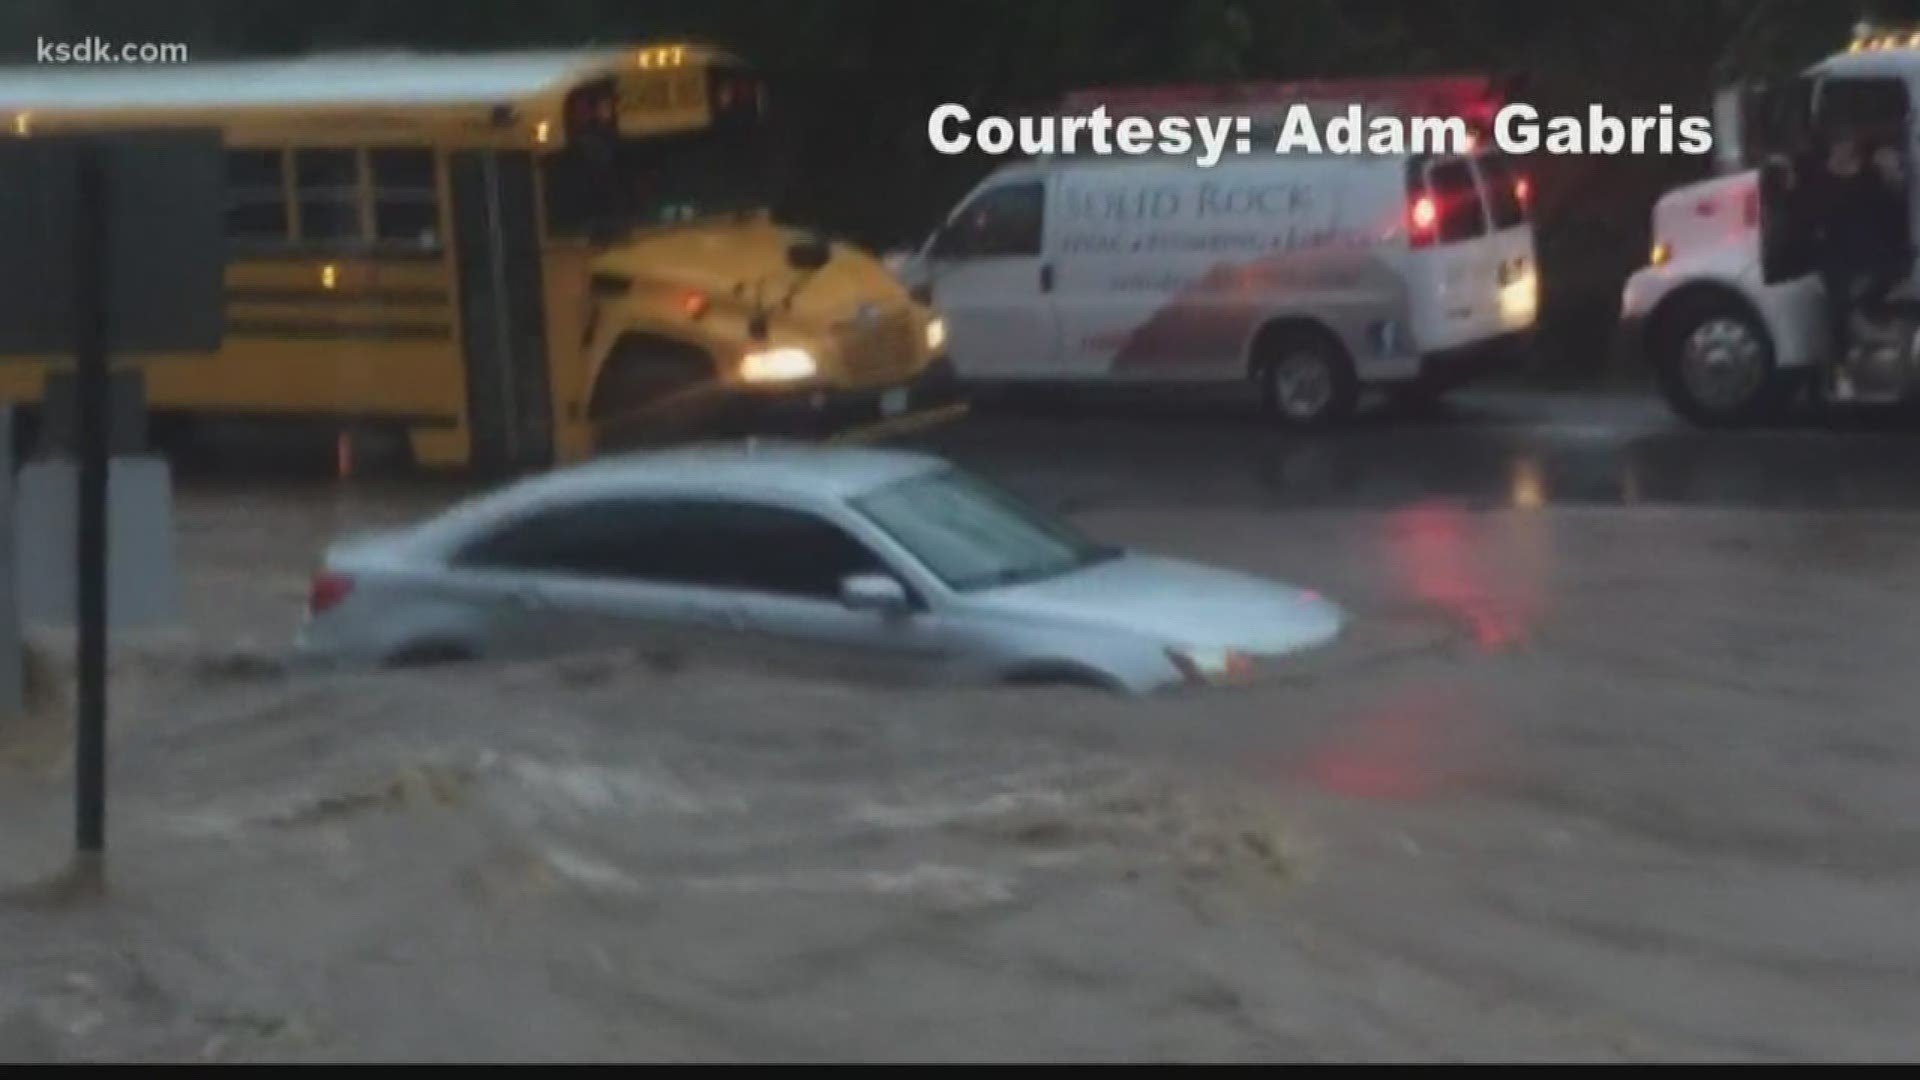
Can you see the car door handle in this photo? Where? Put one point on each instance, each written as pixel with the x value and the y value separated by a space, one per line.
pixel 1046 277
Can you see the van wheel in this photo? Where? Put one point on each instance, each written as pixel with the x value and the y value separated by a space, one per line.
pixel 1716 366
pixel 1306 378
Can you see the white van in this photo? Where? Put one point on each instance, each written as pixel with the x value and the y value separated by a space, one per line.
pixel 1313 276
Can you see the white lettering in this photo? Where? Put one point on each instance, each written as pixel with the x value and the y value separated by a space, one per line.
pixel 1343 132
pixel 995 135
pixel 1608 134
pixel 1298 133
pixel 1036 136
pixel 1563 135
pixel 1174 136
pixel 937 129
pixel 1214 131
pixel 1696 135
pixel 1527 139
pixel 1135 135
pixel 1440 135
pixel 1385 135
pixel 1102 130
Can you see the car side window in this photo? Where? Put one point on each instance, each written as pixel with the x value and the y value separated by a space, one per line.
pixel 999 222
pixel 705 543
pixel 586 538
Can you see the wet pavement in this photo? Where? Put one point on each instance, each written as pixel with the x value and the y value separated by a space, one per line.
pixel 1483 449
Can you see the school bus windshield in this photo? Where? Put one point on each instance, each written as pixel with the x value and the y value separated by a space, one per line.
pixel 656 182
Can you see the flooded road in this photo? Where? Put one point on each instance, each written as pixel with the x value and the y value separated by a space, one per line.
pixel 1485 449
pixel 1616 760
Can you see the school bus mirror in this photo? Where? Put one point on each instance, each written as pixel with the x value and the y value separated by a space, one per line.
pixel 809 254
pixel 162 254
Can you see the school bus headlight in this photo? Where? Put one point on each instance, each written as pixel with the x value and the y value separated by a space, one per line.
pixel 782 365
pixel 936 334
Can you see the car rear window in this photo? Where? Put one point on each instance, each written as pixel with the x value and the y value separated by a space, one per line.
pixel 1462 217
pixel 1503 192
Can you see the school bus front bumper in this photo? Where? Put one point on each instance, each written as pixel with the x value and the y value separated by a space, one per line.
pixel 809 411
pixel 931 398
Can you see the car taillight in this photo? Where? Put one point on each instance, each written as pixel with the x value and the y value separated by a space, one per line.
pixel 328 589
pixel 1423 221
pixel 1750 209
pixel 1523 193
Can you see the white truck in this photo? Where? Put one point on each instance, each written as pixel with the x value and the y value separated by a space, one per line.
pixel 1729 310
pixel 1312 276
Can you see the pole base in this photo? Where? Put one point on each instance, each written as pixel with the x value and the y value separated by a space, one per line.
pixel 82 882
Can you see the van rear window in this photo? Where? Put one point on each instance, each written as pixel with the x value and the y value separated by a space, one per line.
pixel 1503 191
pixel 1462 217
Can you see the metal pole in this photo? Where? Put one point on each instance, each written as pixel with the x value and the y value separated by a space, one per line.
pixel 13 698
pixel 90 394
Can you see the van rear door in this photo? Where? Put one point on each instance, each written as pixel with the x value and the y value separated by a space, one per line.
pixel 1454 264
pixel 1509 196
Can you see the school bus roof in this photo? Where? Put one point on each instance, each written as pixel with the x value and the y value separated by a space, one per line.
pixel 320 81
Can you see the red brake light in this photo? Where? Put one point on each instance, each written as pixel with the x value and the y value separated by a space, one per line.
pixel 327 590
pixel 1423 219
pixel 1523 192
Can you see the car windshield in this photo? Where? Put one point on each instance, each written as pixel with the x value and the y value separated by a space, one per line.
pixel 975 536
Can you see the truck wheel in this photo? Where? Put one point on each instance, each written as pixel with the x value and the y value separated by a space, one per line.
pixel 1306 378
pixel 1716 366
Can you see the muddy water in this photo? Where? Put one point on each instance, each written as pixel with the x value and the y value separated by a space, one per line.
pixel 1577 784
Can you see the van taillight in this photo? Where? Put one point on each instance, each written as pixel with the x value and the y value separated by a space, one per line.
pixel 1523 193
pixel 327 590
pixel 1423 221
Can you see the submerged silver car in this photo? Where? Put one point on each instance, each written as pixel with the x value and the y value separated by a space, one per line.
pixel 863 562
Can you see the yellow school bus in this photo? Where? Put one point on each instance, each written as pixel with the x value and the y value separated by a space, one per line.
pixel 509 259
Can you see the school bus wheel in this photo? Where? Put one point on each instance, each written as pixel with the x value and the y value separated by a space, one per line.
pixel 644 372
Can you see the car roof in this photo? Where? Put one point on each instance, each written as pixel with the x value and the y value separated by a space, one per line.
pixel 743 468
pixel 751 465
pixel 747 470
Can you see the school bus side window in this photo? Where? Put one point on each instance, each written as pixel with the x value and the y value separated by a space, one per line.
pixel 405 210
pixel 327 184
pixel 256 196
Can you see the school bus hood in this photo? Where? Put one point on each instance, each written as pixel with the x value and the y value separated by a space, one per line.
pixel 729 263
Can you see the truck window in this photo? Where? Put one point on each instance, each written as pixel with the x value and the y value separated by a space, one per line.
pixel 1462 217
pixel 1877 108
pixel 999 222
